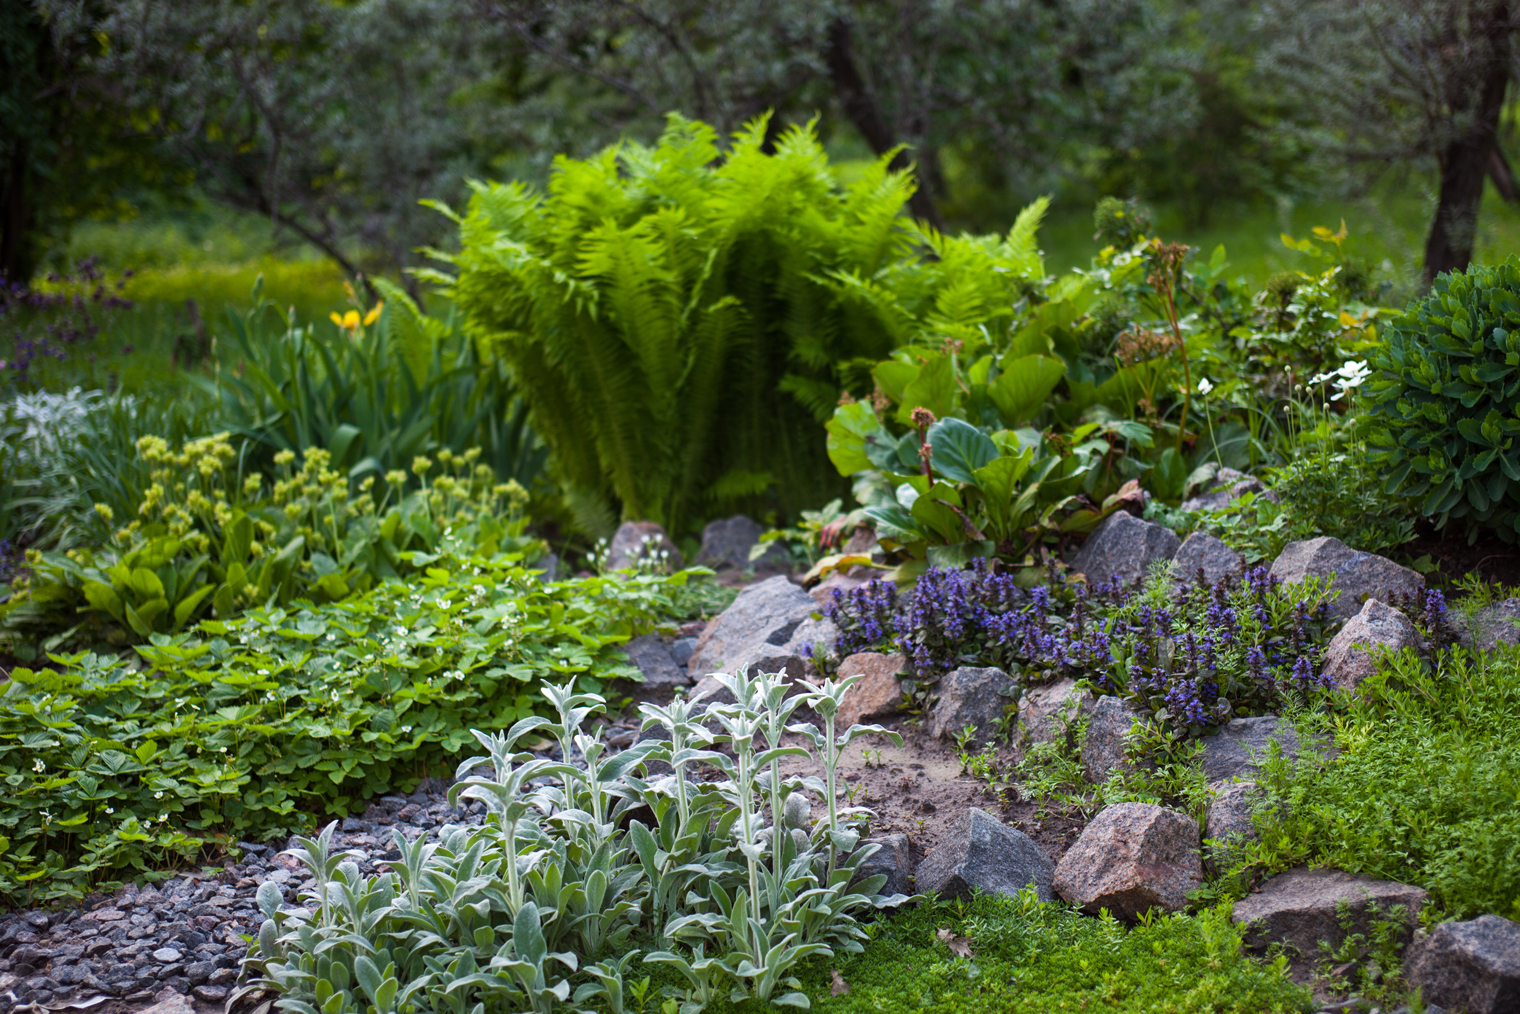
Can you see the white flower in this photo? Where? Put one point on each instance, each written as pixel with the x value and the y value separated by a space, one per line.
pixel 1351 376
pixel 263 672
pixel 110 809
pixel 158 795
pixel 39 767
pixel 1204 387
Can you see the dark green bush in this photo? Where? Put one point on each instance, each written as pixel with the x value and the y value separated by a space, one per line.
pixel 1449 399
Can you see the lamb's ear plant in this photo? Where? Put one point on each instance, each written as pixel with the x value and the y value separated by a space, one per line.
pixel 830 744
pixel 533 910
pixel 506 795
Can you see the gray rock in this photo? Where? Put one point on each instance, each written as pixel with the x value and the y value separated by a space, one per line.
pixel 547 567
pixel 1051 712
pixel 1202 552
pixel 1358 575
pixel 1132 858
pixel 1229 816
pixel 1124 547
pixel 970 696
pixel 1237 746
pixel 652 658
pixel 1303 908
pixel 1103 748
pixel 980 852
pixel 1352 653
pixel 726 543
pixel 167 955
pixel 1227 486
pixel 1490 626
pixel 762 627
pixel 894 860
pixel 638 540
pixel 681 650
pixel 1471 966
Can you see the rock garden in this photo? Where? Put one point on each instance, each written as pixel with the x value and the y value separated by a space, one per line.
pixel 1089 655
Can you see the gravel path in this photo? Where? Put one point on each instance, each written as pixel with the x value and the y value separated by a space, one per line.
pixel 186 934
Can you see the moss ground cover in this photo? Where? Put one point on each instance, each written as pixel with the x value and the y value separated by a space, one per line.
pixel 252 726
pixel 1017 956
pixel 1424 790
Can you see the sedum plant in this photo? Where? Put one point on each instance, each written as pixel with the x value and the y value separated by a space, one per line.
pixel 1448 400
pixel 533 910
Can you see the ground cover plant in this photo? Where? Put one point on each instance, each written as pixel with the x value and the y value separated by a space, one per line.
pixel 254 725
pixel 728 884
pixel 1423 790
pixel 1193 660
pixel 1000 954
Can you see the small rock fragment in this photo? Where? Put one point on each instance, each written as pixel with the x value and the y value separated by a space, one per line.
pixel 1235 749
pixel 877 695
pixel 1201 551
pixel 650 655
pixel 894 860
pixel 1051 712
pixel 1107 726
pixel 972 697
pixel 1302 907
pixel 641 540
pixel 1490 626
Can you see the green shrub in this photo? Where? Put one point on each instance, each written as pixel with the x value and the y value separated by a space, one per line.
pixel 1449 399
pixel 206 538
pixel 679 321
pixel 251 726
pixel 1426 789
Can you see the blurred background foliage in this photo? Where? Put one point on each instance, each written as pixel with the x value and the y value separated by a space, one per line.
pixel 159 159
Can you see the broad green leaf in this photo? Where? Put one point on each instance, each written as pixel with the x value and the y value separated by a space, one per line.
pixel 1023 385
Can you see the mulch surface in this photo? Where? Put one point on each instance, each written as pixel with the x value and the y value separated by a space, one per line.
pixel 1487 556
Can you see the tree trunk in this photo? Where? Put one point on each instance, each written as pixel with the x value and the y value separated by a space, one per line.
pixel 863 111
pixel 1467 158
pixel 1503 177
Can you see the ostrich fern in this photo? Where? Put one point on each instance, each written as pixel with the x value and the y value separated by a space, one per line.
pixel 679 318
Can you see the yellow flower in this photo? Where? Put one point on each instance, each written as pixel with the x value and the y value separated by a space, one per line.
pixel 374 314
pixel 285 457
pixel 349 321
pixel 105 512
